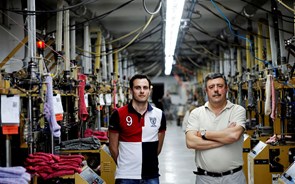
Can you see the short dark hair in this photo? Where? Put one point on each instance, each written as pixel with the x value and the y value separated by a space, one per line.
pixel 139 76
pixel 211 76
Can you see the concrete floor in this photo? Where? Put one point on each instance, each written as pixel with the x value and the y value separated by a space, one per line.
pixel 176 162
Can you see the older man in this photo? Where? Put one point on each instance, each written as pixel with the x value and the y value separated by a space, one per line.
pixel 215 130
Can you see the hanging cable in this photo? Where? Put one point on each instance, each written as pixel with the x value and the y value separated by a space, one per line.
pixel 253 20
pixel 125 46
pixel 286 6
pixel 48 46
pixel 130 33
pixel 157 9
pixel 49 11
pixel 239 36
pixel 206 50
pixel 99 17
pixel 260 8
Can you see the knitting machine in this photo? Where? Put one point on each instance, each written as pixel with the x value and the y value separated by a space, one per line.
pixel 288 177
pixel 269 161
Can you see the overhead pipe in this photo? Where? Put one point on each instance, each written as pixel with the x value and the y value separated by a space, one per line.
pixel 220 61
pixel 155 68
pixel 268 47
pixel 80 11
pixel 273 46
pixel 59 18
pixel 226 61
pixel 125 63
pixel 233 68
pixel 251 8
pixel 97 53
pixel 115 77
pixel 110 61
pixel 103 59
pixel 248 11
pixel 87 66
pixel 260 46
pixel 116 66
pixel 248 54
pixel 67 40
pixel 32 55
pixel 32 29
pixel 120 74
pixel 282 46
pixel 239 63
pixel 73 41
pixel 275 33
pixel 131 69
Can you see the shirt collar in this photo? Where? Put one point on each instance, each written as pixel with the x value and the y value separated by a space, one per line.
pixel 131 109
pixel 228 105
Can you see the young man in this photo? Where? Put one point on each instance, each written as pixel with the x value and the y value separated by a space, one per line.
pixel 215 130
pixel 136 136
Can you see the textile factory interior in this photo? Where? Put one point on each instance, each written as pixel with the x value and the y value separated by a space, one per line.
pixel 66 66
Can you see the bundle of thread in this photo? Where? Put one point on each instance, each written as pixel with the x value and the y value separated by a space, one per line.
pixel 46 165
pixel 14 175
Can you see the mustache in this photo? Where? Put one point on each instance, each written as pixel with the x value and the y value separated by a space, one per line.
pixel 216 94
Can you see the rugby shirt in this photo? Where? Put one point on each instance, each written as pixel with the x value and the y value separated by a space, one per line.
pixel 138 141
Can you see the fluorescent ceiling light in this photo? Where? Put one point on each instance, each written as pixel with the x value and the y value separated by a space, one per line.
pixel 174 9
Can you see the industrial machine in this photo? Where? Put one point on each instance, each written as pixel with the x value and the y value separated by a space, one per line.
pixel 288 177
pixel 267 162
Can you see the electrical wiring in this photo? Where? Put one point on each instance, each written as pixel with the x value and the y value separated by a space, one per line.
pixel 146 36
pixel 194 63
pixel 207 51
pixel 11 34
pixel 129 34
pixel 260 8
pixel 286 6
pixel 222 18
pixel 22 27
pixel 26 12
pixel 202 30
pixel 96 18
pixel 104 15
pixel 153 69
pixel 203 53
pixel 197 13
pixel 156 10
pixel 248 18
pixel 239 36
pixel 150 67
pixel 125 36
pixel 147 61
pixel 156 69
pixel 48 46
pixel 146 50
pixel 125 46
pixel 99 17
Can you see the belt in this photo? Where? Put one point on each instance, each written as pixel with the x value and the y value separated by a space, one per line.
pixel 216 174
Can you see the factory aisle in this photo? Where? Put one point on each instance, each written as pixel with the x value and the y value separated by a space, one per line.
pixel 176 162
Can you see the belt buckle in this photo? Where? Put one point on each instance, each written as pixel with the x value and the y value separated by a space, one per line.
pixel 231 171
pixel 205 172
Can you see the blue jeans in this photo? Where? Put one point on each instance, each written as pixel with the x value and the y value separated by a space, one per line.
pixel 138 181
